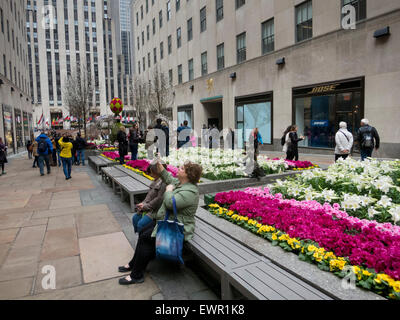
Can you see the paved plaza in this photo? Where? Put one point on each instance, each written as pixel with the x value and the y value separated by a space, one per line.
pixel 81 229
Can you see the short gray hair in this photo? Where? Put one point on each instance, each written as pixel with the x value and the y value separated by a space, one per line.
pixel 343 125
pixel 365 121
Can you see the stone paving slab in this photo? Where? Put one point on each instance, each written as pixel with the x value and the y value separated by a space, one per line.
pixel 4 248
pixel 96 223
pixel 14 220
pixel 35 222
pixel 60 243
pixel 68 211
pixel 39 201
pixel 15 288
pixel 103 290
pixel 8 235
pixel 29 236
pixel 101 256
pixel 68 274
pixel 61 222
pixel 20 263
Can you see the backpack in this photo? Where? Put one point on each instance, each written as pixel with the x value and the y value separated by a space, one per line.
pixel 42 145
pixel 368 141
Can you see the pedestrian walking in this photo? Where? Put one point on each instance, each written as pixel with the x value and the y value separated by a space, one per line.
pixel 186 193
pixel 45 149
pixel 291 143
pixel 122 144
pixel 257 140
pixel 80 149
pixel 344 142
pixel 53 158
pixel 182 141
pixel 35 153
pixel 368 139
pixel 163 145
pixel 58 148
pixel 66 155
pixel 29 148
pixel 74 153
pixel 3 156
pixel 134 139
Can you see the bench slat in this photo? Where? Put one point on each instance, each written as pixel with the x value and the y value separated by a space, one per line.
pixel 131 185
pixel 135 176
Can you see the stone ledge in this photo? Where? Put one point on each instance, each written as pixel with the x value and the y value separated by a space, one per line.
pixel 322 280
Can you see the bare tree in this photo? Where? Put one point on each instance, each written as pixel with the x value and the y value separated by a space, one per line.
pixel 160 95
pixel 78 92
pixel 139 92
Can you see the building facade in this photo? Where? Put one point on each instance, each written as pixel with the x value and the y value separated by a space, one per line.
pixel 267 64
pixel 62 34
pixel 16 119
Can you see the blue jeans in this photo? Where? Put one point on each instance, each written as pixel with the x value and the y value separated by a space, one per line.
pixel 44 158
pixel 134 151
pixel 81 156
pixel 59 158
pixel 67 165
pixel 139 222
pixel 366 153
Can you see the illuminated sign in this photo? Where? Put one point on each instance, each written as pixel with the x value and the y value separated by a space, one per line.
pixel 323 89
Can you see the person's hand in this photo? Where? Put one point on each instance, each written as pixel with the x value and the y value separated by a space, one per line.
pixel 170 188
pixel 345 151
pixel 140 206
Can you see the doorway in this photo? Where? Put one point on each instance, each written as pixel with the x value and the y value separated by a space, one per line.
pixel 213 115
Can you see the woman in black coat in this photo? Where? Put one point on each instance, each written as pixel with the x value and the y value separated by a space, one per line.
pixel 3 156
pixel 292 150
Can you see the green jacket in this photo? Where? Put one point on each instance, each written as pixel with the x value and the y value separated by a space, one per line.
pixel 187 202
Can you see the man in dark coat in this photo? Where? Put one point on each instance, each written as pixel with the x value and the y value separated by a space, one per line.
pixel 367 138
pixel 123 144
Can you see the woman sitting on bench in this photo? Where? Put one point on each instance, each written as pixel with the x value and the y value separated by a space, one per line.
pixel 147 210
pixel 186 194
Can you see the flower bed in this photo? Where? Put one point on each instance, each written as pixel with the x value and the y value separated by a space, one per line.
pixel 368 190
pixel 223 164
pixel 320 234
pixel 142 166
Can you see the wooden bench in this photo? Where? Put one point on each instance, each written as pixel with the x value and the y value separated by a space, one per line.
pixel 108 175
pixel 131 187
pixel 98 162
pixel 134 175
pixel 254 276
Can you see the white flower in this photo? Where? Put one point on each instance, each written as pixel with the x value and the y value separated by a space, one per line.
pixel 385 201
pixel 395 212
pixel 372 212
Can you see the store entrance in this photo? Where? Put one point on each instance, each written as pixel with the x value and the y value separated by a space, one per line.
pixel 213 115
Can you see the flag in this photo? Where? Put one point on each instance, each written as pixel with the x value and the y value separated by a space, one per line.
pixel 40 120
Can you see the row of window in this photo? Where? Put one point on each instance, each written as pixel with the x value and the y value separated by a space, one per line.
pixel 303 32
pixel 19 81
pixel 219 8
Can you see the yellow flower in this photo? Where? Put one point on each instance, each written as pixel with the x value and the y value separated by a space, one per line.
pixel 258 225
pixel 396 286
pixel 366 273
pixel 274 237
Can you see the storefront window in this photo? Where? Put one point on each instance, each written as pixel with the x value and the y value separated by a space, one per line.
pixel 18 127
pixel 30 124
pixel 8 128
pixel 185 113
pixel 26 127
pixel 319 110
pixel 254 115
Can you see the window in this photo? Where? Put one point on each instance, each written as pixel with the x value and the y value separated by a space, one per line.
pixel 304 21
pixel 142 38
pixel 147 6
pixel 138 43
pixel 180 74
pixel 144 64
pixel 219 4
pixel 139 66
pixel 160 18
pixel 8 31
pixel 179 37
pixel 161 50
pixel 154 26
pixel 240 3
pixel 359 5
pixel 241 47
pixel 141 12
pixel 148 32
pixel 168 10
pixel 190 29
pixel 220 57
pixel 155 55
pixel 190 67
pixel 178 5
pixel 5 65
pixel 137 18
pixel 204 68
pixel 169 44
pixel 1 20
pixel 203 20
pixel 267 32
pixel 170 75
pixel 148 60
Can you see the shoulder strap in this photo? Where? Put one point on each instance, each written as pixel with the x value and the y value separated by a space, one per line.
pixel 348 140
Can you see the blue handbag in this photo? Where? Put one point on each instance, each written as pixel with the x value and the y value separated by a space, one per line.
pixel 169 238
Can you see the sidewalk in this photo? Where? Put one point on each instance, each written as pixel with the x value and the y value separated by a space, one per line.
pixel 81 229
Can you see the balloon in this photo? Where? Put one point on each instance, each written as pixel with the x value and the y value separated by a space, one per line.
pixel 116 106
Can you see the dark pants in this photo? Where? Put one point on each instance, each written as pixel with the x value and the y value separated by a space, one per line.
pixel 145 252
pixel 366 153
pixel 2 167
pixel 44 158
pixel 59 158
pixel 134 151
pixel 67 164
pixel 81 156
pixel 292 155
pixel 35 162
pixel 338 156
pixel 29 154
pixel 121 151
